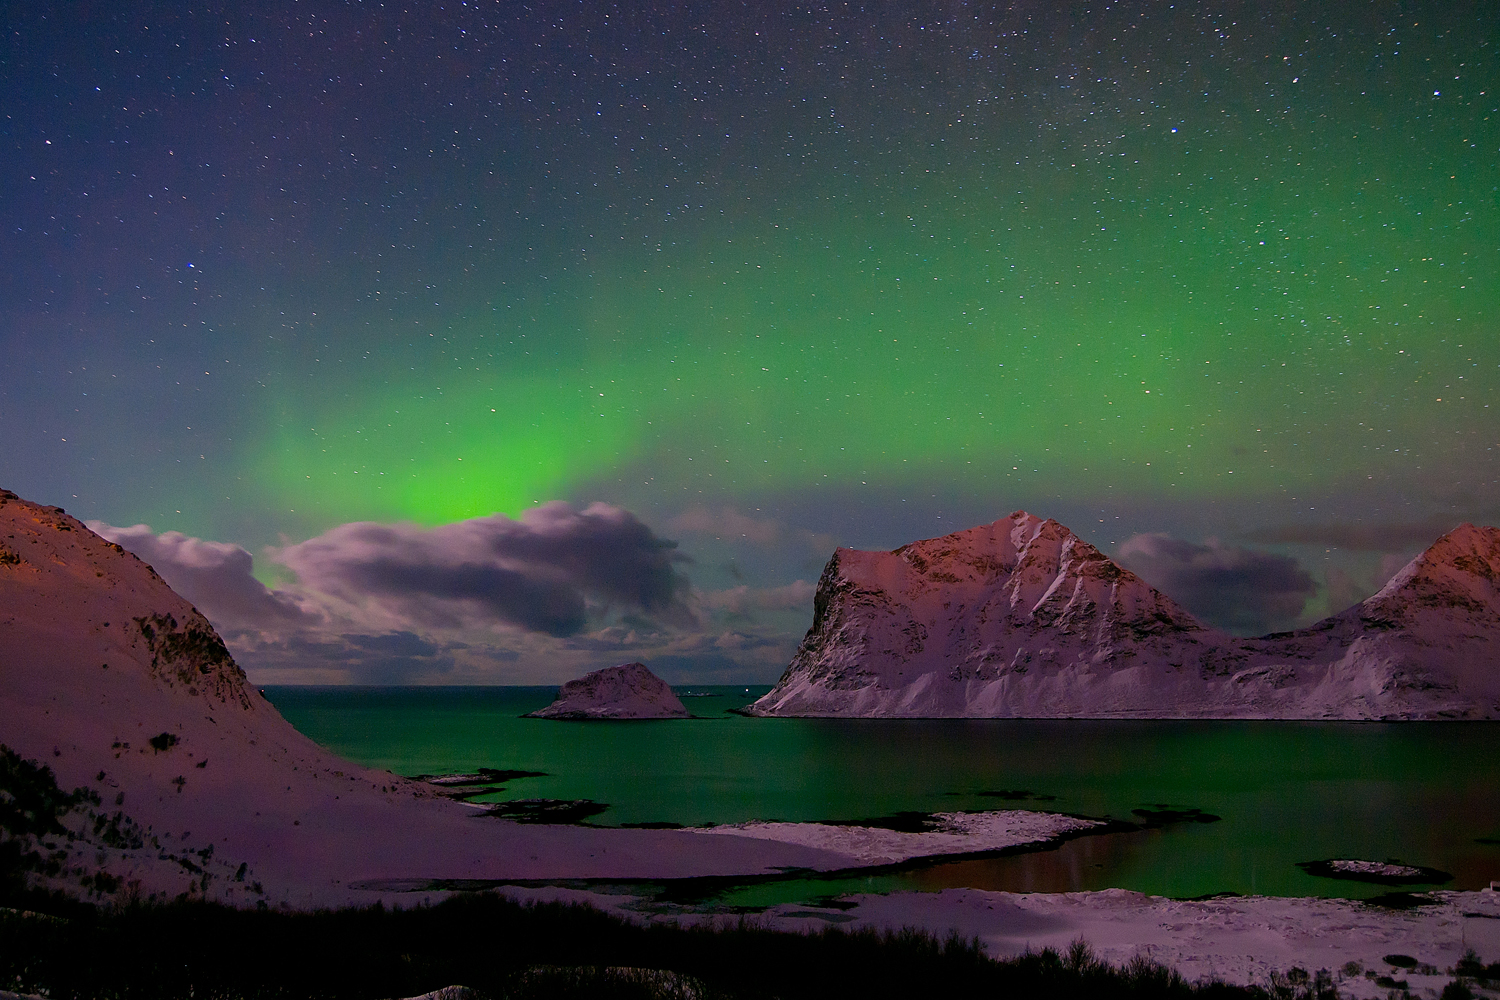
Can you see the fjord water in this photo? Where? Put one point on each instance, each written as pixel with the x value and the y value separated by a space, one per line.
pixel 1421 793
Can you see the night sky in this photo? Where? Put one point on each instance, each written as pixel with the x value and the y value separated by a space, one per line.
pixel 334 284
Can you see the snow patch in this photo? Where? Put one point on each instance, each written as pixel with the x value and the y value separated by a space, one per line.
pixel 952 833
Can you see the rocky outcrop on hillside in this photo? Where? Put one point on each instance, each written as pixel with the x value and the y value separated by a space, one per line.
pixel 627 691
pixel 1023 619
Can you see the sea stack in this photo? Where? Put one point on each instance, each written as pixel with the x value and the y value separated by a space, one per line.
pixel 1023 619
pixel 627 691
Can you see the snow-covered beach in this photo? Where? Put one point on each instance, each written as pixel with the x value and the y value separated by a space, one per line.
pixel 1235 939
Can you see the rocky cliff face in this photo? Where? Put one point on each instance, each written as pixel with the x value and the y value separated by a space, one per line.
pixel 1022 618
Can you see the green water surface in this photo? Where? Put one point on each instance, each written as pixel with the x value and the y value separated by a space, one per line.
pixel 1421 793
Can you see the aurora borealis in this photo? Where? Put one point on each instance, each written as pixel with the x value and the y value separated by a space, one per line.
pixel 771 280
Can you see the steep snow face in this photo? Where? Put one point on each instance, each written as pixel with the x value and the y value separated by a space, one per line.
pixel 50 562
pixel 627 691
pixel 196 785
pixel 120 686
pixel 1021 618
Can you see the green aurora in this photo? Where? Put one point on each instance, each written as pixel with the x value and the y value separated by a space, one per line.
pixel 1261 324
pixel 770 279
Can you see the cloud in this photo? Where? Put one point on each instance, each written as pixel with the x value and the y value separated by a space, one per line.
pixel 543 573
pixel 389 658
pixel 726 523
pixel 215 576
pixel 1238 589
pixel 795 596
pixel 543 598
pixel 702 668
pixel 1346 589
pixel 1395 537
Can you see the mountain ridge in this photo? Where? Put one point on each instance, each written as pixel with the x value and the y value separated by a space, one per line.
pixel 1023 618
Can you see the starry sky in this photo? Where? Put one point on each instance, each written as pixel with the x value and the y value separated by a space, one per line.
pixel 315 290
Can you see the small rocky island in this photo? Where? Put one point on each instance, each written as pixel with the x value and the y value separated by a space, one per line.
pixel 627 691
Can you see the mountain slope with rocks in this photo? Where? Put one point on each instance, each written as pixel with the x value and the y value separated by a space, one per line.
pixel 159 772
pixel 1023 619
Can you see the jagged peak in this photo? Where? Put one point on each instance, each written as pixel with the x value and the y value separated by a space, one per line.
pixel 1467 557
pixel 72 565
pixel 1015 532
pixel 1466 540
pixel 1019 539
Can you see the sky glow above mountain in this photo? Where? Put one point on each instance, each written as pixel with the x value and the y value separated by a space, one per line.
pixel 771 280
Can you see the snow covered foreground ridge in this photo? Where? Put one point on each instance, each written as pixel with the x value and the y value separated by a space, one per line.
pixel 192 783
pixel 627 691
pixel 1023 619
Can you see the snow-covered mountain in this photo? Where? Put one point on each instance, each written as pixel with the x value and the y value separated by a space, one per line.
pixel 192 783
pixel 1023 619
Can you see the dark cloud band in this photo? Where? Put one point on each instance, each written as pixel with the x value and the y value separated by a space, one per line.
pixel 1235 588
pixel 541 573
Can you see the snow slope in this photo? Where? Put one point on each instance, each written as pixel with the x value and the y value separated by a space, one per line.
pixel 1023 619
pixel 122 688
pixel 627 691
pixel 1237 939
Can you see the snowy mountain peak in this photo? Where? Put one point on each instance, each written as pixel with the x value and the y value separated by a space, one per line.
pixel 50 560
pixel 1457 574
pixel 1036 564
pixel 1023 618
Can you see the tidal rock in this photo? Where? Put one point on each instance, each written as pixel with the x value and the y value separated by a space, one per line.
pixel 1023 619
pixel 628 691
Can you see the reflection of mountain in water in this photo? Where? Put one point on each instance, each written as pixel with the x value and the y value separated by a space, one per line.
pixel 1023 619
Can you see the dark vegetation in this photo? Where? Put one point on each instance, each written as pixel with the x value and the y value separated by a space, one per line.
pixel 200 648
pixel 1471 972
pixel 62 838
pixel 31 812
pixel 1471 966
pixel 501 948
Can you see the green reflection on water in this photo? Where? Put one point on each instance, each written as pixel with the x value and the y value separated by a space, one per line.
pixel 1423 793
